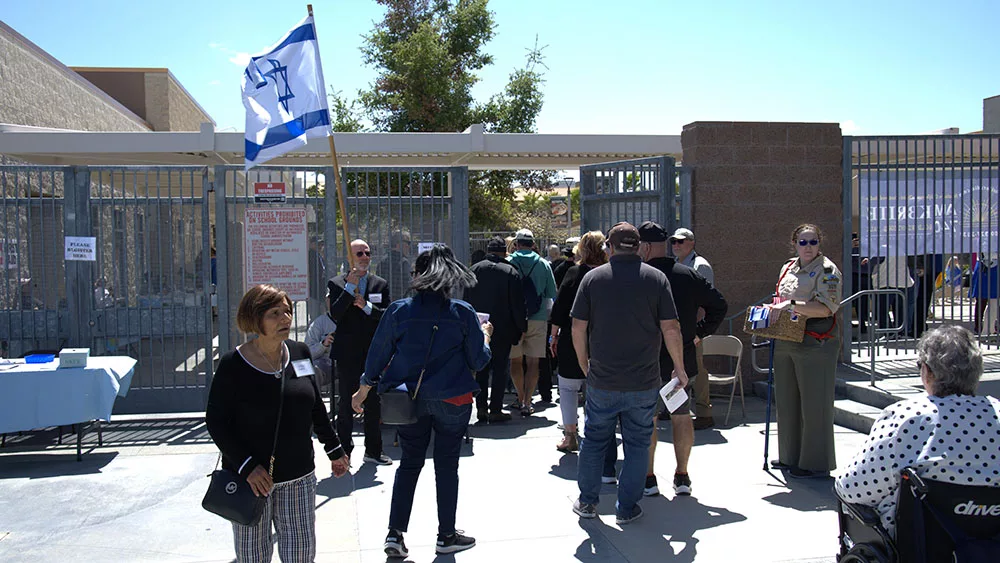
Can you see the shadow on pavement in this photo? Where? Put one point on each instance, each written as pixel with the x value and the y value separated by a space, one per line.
pixel 517 426
pixel 665 524
pixel 42 466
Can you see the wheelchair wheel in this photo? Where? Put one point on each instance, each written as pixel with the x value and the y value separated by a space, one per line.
pixel 864 554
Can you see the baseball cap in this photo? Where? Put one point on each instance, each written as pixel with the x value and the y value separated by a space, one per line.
pixel 496 244
pixel 524 235
pixel 682 234
pixel 623 235
pixel 652 232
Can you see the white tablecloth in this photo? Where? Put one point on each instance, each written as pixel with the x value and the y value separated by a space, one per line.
pixel 40 395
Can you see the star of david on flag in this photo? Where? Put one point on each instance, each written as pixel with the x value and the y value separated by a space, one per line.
pixel 285 96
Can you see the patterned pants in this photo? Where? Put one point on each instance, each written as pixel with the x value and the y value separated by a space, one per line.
pixel 291 508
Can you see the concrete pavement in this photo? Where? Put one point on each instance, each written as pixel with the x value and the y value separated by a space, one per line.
pixel 138 499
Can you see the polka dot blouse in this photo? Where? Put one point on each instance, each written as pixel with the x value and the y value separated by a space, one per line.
pixel 954 438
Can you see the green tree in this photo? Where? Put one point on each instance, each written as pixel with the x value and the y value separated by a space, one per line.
pixel 428 53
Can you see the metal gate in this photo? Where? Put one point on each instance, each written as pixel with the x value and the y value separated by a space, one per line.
pixel 33 300
pixel 146 292
pixel 395 210
pixel 645 189
pixel 925 215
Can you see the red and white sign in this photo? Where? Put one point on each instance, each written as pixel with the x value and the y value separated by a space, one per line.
pixel 276 249
pixel 269 192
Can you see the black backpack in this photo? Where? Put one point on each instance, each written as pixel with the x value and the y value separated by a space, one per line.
pixel 532 301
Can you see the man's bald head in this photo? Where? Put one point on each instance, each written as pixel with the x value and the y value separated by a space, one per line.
pixel 361 253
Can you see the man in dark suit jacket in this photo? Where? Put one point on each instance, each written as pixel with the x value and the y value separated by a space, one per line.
pixel 498 292
pixel 357 301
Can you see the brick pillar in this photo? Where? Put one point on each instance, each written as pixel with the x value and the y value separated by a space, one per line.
pixel 753 183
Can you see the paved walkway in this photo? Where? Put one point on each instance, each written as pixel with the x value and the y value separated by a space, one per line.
pixel 138 499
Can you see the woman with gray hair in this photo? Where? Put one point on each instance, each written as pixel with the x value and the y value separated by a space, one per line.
pixel 949 435
pixel 432 344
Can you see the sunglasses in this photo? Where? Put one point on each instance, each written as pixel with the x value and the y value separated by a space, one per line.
pixel 677 241
pixel 361 253
pixel 812 242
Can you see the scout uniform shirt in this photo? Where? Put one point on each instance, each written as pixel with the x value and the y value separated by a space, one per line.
pixel 820 280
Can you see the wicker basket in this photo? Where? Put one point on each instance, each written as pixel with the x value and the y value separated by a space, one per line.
pixel 780 326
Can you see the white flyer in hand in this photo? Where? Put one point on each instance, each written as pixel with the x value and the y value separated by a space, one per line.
pixel 674 396
pixel 483 317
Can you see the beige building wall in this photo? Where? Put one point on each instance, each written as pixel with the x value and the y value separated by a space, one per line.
pixel 991 115
pixel 41 92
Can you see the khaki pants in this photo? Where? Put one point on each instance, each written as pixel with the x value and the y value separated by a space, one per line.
pixel 804 381
pixel 703 402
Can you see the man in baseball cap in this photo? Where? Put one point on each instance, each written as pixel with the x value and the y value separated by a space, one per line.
pixel 691 292
pixel 682 245
pixel 622 314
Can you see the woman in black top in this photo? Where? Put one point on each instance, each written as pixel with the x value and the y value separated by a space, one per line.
pixel 242 415
pixel 571 378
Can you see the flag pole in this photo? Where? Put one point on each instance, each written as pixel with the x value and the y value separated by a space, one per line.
pixel 336 175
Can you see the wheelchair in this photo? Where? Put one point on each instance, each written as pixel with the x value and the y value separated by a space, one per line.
pixel 936 522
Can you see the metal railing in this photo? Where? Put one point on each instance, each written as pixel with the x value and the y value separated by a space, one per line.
pixel 756 344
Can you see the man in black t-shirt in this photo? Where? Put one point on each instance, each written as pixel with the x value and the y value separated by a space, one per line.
pixel 622 312
pixel 691 291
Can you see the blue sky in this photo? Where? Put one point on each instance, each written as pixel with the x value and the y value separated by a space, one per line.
pixel 625 66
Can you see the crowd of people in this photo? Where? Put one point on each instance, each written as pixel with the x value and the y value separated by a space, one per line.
pixel 614 318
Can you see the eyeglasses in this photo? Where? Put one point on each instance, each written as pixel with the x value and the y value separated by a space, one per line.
pixel 677 241
pixel 361 253
pixel 812 242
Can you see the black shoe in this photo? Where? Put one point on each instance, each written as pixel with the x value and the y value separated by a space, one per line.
pixel 703 422
pixel 454 543
pixel 682 484
pixel 800 473
pixel 499 417
pixel 380 459
pixel 515 406
pixel 394 546
pixel 482 416
pixel 776 464
pixel 651 489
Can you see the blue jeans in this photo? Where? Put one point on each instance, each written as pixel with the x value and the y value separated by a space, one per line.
pixel 604 409
pixel 448 423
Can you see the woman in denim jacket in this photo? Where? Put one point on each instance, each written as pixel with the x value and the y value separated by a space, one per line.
pixel 459 348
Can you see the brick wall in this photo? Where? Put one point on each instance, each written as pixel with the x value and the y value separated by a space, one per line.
pixel 185 114
pixel 753 183
pixel 39 91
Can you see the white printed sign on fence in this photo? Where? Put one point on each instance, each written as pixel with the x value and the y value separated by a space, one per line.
pixel 83 249
pixel 276 249
pixel 8 255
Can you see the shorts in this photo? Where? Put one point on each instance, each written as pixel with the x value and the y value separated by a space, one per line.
pixel 688 406
pixel 533 342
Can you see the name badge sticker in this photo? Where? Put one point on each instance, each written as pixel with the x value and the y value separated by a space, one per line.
pixel 303 368
pixel 375 298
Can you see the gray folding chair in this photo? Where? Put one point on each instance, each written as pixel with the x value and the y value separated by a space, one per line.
pixel 725 345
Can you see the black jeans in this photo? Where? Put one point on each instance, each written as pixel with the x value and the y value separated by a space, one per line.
pixel 448 423
pixel 499 367
pixel 349 375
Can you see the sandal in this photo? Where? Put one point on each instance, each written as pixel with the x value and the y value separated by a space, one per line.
pixel 570 443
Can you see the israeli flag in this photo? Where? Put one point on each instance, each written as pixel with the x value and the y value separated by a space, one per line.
pixel 285 96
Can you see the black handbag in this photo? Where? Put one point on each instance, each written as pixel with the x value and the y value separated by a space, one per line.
pixel 229 494
pixel 400 407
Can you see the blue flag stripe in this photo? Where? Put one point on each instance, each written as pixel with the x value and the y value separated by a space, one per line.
pixel 297 35
pixel 287 131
